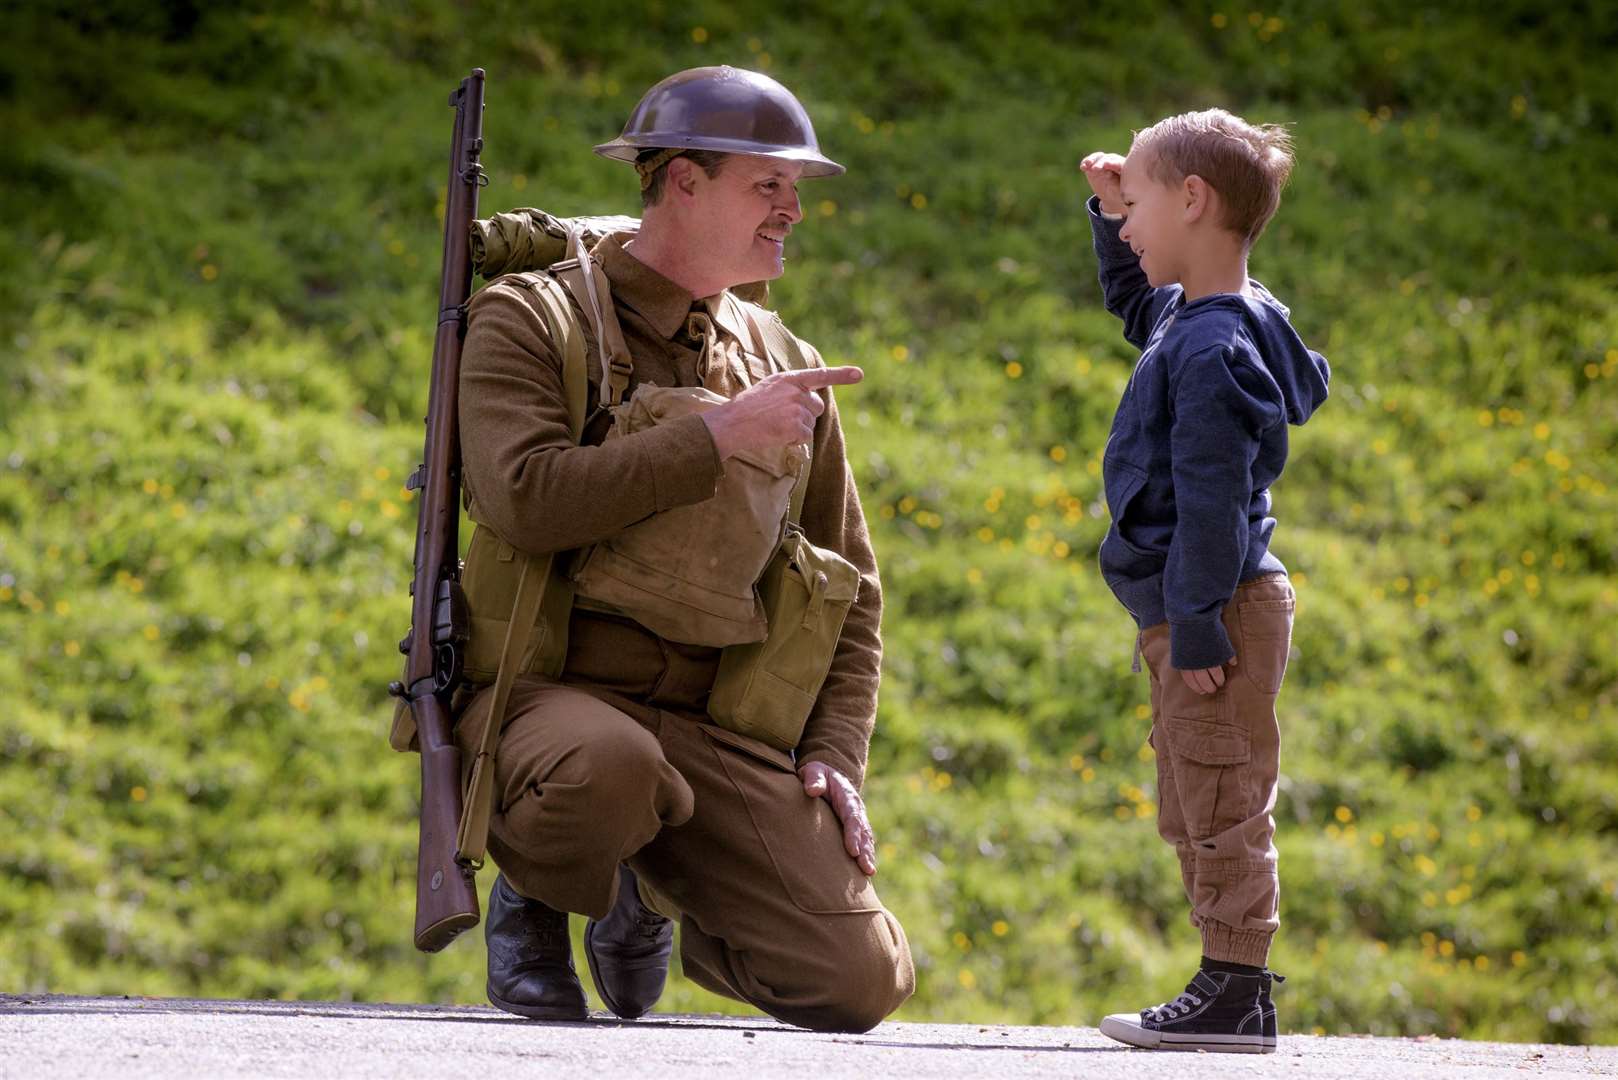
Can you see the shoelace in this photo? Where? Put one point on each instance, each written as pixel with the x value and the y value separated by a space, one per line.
pixel 1172 1010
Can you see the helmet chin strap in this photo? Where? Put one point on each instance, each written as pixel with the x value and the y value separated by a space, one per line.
pixel 655 162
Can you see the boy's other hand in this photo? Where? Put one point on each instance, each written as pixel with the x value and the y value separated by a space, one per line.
pixel 1206 680
pixel 1105 173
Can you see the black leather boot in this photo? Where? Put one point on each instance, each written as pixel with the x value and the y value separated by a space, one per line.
pixel 530 958
pixel 629 952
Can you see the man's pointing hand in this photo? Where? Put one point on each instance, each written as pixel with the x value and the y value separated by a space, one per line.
pixel 778 410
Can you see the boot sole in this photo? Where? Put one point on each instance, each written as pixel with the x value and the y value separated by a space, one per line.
pixel 538 1012
pixel 1128 1030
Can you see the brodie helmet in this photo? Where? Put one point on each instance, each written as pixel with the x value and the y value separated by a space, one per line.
pixel 724 109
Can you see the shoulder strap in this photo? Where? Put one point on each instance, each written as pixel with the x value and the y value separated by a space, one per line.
pixel 472 840
pixel 587 282
pixel 783 350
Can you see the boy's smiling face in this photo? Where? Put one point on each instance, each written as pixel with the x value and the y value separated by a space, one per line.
pixel 1154 224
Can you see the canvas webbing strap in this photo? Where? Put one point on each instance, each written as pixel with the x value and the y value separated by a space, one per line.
pixel 588 283
pixel 778 346
pixel 477 806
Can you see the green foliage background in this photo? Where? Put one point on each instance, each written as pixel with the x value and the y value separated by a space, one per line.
pixel 218 271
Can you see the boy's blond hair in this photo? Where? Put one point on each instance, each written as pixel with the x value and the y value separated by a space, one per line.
pixel 1248 164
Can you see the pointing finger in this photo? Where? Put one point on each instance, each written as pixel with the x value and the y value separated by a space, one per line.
pixel 816 378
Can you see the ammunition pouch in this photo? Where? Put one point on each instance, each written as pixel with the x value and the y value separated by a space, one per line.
pixel 489 579
pixel 767 689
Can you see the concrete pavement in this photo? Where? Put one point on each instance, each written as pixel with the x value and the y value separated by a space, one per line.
pixel 78 1038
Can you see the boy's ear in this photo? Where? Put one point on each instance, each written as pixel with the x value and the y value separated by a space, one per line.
pixel 1199 198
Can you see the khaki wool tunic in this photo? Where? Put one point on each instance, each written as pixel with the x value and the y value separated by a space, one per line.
pixel 543 494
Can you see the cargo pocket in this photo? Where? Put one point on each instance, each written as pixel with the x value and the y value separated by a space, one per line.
pixel 1266 639
pixel 803 837
pixel 1208 761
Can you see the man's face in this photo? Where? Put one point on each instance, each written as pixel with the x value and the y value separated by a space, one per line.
pixel 1154 224
pixel 745 214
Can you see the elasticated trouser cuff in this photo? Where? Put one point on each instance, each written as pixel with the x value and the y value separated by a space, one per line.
pixel 1221 942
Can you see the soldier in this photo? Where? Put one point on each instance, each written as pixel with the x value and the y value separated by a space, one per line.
pixel 615 795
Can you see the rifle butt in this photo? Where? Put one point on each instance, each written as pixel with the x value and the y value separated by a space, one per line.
pixel 446 890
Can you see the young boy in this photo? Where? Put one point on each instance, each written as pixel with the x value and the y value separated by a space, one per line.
pixel 1199 437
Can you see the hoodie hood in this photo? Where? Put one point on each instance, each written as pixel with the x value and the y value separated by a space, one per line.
pixel 1300 373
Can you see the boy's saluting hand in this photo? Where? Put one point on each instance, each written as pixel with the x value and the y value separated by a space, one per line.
pixel 1105 173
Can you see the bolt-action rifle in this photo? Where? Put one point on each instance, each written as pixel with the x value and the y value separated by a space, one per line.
pixel 446 890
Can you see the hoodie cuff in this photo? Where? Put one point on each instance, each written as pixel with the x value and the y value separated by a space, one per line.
pixel 1197 645
pixel 1093 204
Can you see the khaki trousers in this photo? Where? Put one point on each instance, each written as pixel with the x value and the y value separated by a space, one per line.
pixel 618 763
pixel 1217 765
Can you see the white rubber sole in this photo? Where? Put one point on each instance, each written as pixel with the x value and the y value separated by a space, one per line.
pixel 1127 1029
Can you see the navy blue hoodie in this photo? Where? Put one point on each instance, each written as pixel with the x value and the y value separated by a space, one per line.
pixel 1199 437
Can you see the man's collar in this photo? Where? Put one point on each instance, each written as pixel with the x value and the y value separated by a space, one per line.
pixel 729 318
pixel 662 303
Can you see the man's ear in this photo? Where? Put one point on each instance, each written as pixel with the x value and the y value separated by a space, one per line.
pixel 1199 198
pixel 681 178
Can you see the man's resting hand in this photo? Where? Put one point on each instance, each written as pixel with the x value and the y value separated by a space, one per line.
pixel 821 781
pixel 778 410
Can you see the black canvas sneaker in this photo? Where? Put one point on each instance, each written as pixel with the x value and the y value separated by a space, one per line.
pixel 1219 1011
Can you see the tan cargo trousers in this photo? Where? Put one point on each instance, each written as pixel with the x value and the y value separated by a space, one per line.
pixel 1217 765
pixel 621 765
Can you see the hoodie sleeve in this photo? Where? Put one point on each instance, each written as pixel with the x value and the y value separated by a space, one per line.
pixel 1221 410
pixel 1124 288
